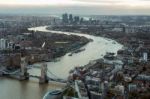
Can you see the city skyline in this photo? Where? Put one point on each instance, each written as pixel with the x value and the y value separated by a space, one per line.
pixel 74 49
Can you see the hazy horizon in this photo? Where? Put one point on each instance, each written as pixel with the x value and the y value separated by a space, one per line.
pixel 85 7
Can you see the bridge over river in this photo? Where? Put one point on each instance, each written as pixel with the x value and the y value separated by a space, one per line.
pixel 22 73
pixel 14 89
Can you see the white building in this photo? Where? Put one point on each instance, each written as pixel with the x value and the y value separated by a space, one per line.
pixel 3 44
pixel 145 56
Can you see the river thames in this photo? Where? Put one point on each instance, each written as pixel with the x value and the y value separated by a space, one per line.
pixel 14 89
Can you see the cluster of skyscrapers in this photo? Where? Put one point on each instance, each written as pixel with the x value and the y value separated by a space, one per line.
pixel 70 19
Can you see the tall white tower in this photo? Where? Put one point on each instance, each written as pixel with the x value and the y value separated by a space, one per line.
pixel 3 44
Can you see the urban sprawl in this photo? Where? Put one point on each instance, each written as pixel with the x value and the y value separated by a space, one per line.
pixel 121 75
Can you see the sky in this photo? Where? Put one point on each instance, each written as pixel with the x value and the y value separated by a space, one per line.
pixel 76 6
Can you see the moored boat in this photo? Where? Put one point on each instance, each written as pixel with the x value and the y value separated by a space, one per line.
pixel 53 94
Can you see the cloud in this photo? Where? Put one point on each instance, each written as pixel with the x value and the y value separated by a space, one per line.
pixel 77 6
pixel 113 1
pixel 129 3
pixel 124 3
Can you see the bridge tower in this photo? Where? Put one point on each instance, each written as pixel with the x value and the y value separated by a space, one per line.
pixel 43 78
pixel 24 75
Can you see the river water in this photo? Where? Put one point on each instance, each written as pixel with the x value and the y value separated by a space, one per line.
pixel 13 89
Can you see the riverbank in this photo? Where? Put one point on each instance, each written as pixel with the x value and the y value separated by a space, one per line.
pixel 93 50
pixel 57 45
pixel 41 46
pixel 86 30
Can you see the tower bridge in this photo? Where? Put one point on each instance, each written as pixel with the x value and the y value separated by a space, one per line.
pixel 22 73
